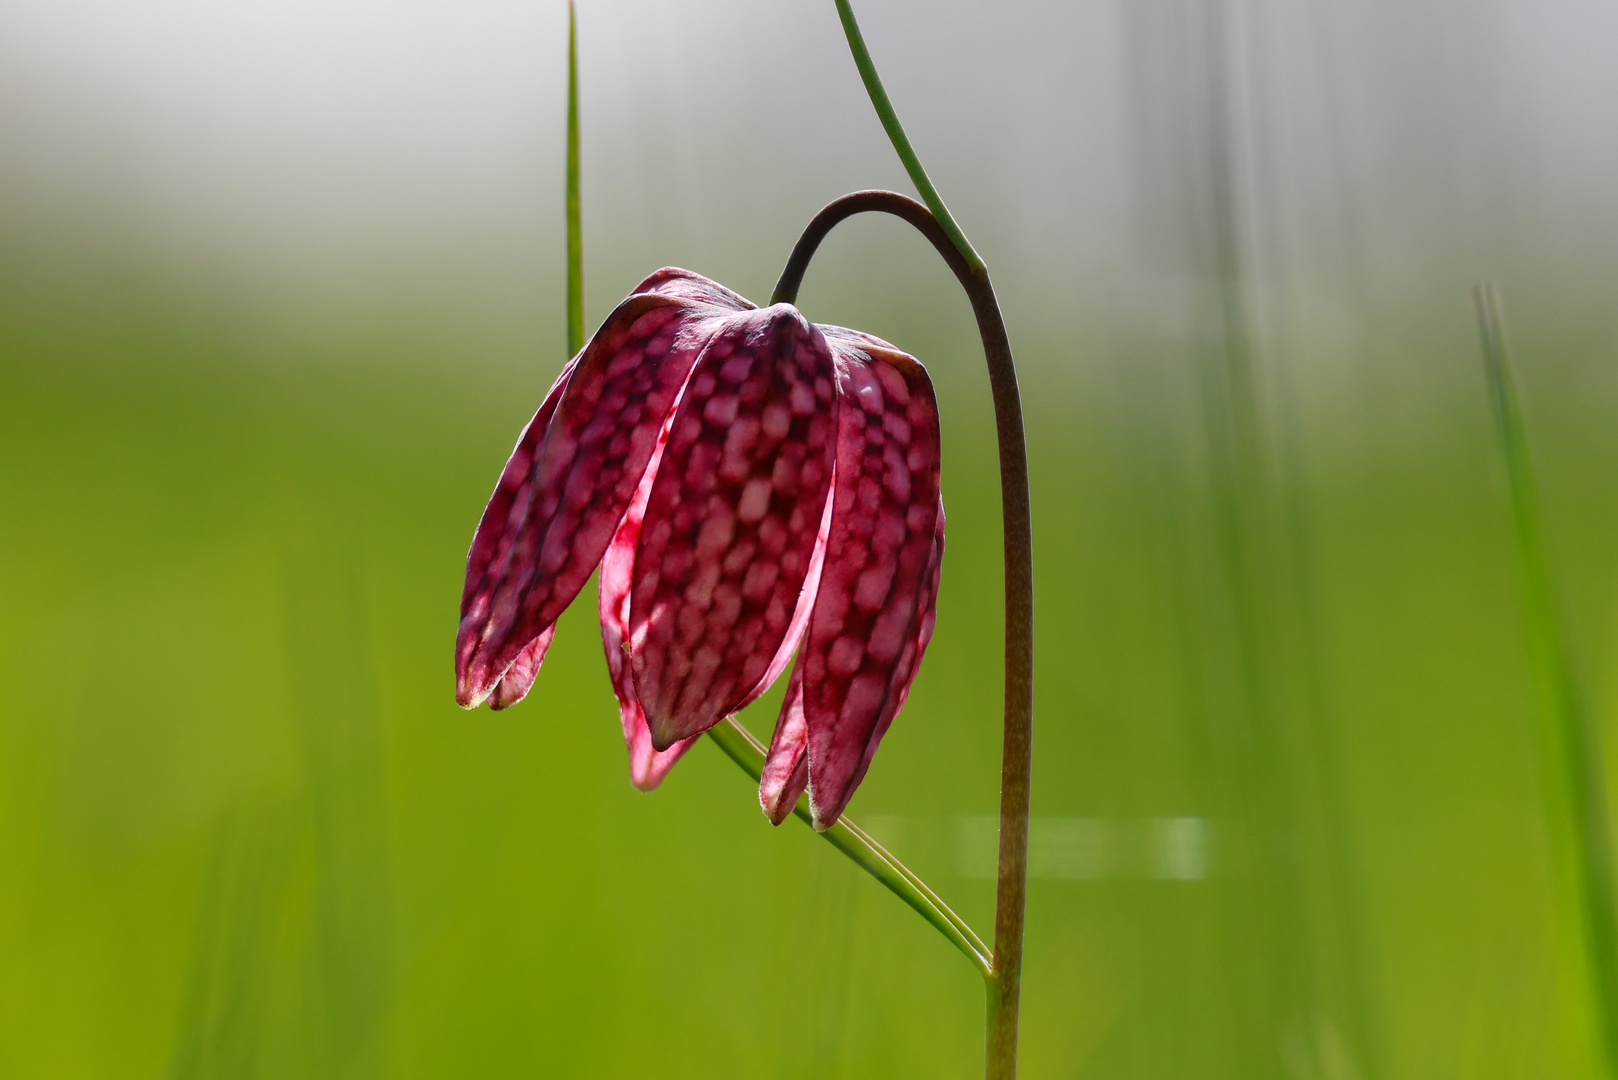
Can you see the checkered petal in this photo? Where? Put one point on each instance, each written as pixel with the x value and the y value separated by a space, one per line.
pixel 732 523
pixel 872 611
pixel 566 489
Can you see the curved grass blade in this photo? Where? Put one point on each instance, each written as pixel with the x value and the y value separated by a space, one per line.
pixel 897 136
pixel 1572 744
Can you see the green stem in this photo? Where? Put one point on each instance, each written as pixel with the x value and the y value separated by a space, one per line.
pixel 575 234
pixel 896 135
pixel 1572 744
pixel 1016 754
pixel 740 746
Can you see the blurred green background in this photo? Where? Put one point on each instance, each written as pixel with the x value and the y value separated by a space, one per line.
pixel 279 284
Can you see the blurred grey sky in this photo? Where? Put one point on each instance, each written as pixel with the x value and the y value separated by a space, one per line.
pixel 1377 152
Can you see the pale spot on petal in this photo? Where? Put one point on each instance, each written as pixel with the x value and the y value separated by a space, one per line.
pixel 887 638
pixel 777 421
pixel 892 383
pixel 872 588
pixel 721 410
pixel 760 580
pixel 716 534
pixel 802 399
pixel 865 696
pixel 845 656
pixel 755 500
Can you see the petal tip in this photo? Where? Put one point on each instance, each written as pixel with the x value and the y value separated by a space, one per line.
pixel 774 814
pixel 822 817
pixel 818 819
pixel 664 735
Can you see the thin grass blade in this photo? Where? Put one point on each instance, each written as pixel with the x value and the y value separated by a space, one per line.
pixel 575 234
pixel 1572 744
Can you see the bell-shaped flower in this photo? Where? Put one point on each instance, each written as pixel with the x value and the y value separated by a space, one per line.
pixel 749 485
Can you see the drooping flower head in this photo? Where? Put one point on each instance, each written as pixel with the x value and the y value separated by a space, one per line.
pixel 750 485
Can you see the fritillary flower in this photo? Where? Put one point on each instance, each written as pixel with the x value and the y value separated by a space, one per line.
pixel 750 485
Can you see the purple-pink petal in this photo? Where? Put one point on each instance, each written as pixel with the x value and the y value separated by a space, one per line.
pixel 580 480
pixel 786 766
pixel 904 673
pixel 732 523
pixel 685 285
pixel 647 764
pixel 865 633
pixel 503 515
pixel 519 677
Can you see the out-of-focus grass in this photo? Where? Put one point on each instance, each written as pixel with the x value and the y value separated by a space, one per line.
pixel 1575 770
pixel 245 832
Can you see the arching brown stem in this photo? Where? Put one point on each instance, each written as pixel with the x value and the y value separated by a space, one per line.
pixel 1011 891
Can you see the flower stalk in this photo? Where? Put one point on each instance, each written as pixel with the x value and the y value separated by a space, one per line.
pixel 934 220
pixel 1004 977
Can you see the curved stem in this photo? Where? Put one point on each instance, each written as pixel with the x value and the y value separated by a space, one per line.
pixel 575 233
pixel 901 142
pixel 740 746
pixel 1011 890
